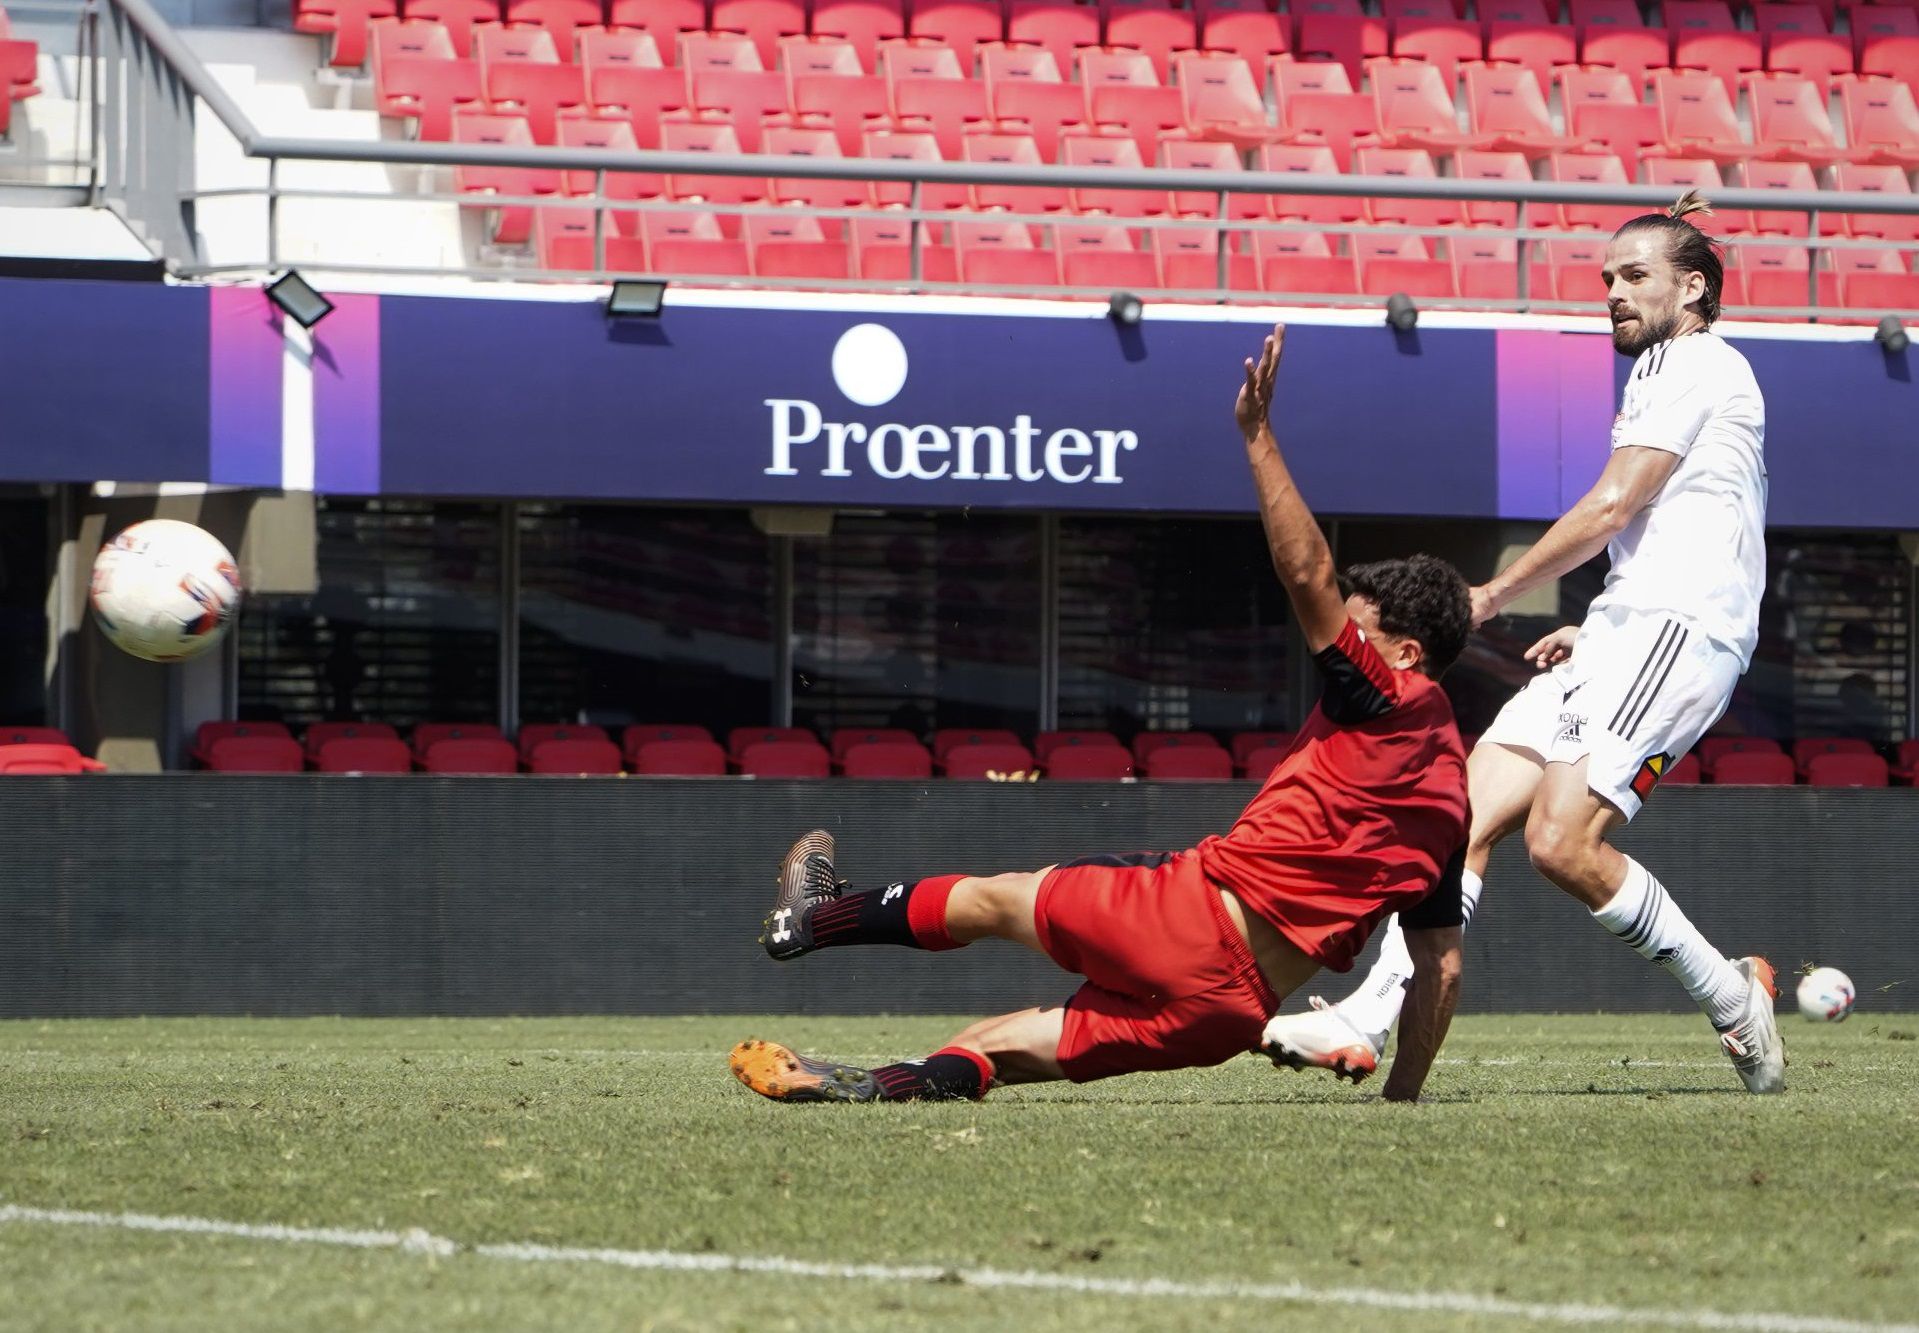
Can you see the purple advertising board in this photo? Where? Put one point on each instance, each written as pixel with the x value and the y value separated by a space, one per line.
pixel 893 404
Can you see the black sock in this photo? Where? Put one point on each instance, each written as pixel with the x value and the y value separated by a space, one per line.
pixel 910 915
pixel 947 1075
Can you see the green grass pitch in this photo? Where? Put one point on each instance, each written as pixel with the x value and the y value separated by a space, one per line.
pixel 1566 1160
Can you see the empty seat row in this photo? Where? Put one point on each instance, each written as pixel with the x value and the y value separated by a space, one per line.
pixel 19 72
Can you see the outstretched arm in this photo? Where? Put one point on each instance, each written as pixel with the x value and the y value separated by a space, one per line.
pixel 1438 959
pixel 1632 477
pixel 1301 557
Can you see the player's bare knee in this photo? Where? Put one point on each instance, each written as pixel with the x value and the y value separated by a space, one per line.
pixel 1557 847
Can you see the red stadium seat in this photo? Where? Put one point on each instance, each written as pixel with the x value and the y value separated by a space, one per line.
pixel 1891 58
pixel 1752 768
pixel 1060 26
pixel 745 97
pixel 976 761
pixel 1543 50
pixel 642 97
pixel 1003 266
pixel 535 734
pixel 1416 108
pixel 495 46
pixel 1254 35
pixel 1088 763
pixel 1044 110
pixel 1102 257
pixel 1221 100
pixel 1535 13
pixel 1411 164
pixel 1188 764
pixel 428 91
pixel 1396 10
pixel 1046 742
pixel 718 50
pixel 59 758
pixel 616 135
pixel 1698 16
pixel 864 23
pixel 1199 155
pixel 1591 169
pixel 785 759
pixel 1304 265
pixel 1156 32
pixel 1789 121
pixel 845 738
pixel 789 141
pixel 1882 121
pixel 1245 742
pixel 646 733
pixel 1770 18
pixel 1291 78
pixel 1905 768
pixel 1470 164
pixel 1697 115
pixel 1633 51
pixel 473 754
pixel 1604 14
pixel 562 19
pixel 1259 764
pixel 1807 748
pixel 960 24
pixel 910 146
pixel 41 736
pixel 947 108
pixel 1345 38
pixel 605 48
pixel 1148 114
pixel 1341 122
pixel 1685 772
pixel 428 734
pixel 207 733
pixel 1712 749
pixel 1771 176
pixel 663 20
pixel 719 138
pixel 1017 150
pixel 1847 770
pixel 1118 150
pixel 764 22
pixel 1445 44
pixel 1148 743
pixel 852 105
pixel 345 21
pixel 575 757
pixel 1727 56
pixel 819 55
pixel 921 60
pixel 1889 292
pixel 1389 265
pixel 319 733
pixel 1312 160
pixel 458 17
pixel 688 757
pixel 1001 65
pixel 895 759
pixel 1506 102
pixel 361 754
pixel 1191 261
pixel 1876 180
pixel 948 739
pixel 740 737
pixel 512 224
pixel 1810 55
pixel 408 38
pixel 255 754
pixel 1685 173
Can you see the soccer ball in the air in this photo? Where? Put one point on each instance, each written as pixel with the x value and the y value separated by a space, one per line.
pixel 165 590
pixel 1825 995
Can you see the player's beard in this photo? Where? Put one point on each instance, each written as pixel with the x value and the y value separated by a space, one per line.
pixel 1645 331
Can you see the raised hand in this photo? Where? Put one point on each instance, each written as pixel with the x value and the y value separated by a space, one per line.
pixel 1256 394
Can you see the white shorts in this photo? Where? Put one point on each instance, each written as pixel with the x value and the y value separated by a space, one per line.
pixel 1639 691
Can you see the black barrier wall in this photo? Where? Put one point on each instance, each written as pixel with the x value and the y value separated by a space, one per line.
pixel 300 895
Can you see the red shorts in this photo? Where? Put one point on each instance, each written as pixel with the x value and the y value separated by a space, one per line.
pixel 1170 984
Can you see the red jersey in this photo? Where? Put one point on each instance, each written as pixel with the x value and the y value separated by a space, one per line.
pixel 1363 816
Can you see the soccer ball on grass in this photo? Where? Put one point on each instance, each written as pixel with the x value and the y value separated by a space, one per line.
pixel 165 590
pixel 1825 995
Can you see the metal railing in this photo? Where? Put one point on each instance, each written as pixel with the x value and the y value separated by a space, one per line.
pixel 151 81
pixel 67 173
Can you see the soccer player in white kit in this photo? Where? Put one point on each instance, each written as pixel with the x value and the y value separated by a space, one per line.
pixel 1680 509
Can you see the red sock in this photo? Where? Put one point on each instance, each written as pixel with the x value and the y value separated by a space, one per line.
pixel 926 912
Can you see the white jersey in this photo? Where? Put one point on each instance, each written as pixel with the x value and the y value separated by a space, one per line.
pixel 1699 549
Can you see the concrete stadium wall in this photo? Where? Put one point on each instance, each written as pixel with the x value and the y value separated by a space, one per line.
pixel 485 896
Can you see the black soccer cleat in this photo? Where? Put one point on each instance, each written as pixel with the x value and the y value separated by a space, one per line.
pixel 806 878
pixel 773 1071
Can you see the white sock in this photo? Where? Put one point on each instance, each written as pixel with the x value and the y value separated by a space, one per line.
pixel 1375 1005
pixel 1644 915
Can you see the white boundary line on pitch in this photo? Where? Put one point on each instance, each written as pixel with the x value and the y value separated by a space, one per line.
pixel 420 1242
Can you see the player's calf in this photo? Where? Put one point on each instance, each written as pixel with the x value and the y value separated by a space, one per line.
pixel 780 1074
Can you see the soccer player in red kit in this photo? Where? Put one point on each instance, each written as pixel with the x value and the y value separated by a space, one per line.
pixel 1187 954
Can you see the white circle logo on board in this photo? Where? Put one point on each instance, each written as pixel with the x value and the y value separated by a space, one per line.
pixel 869 364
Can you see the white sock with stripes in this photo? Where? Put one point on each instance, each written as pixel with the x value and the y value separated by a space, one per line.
pixel 1644 915
pixel 1374 1006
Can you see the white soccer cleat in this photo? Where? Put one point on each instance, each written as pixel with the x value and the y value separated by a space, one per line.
pixel 1322 1039
pixel 1753 1041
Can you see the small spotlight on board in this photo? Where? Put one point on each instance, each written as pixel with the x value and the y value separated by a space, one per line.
pixel 1125 309
pixel 636 300
pixel 1892 335
pixel 1401 313
pixel 295 295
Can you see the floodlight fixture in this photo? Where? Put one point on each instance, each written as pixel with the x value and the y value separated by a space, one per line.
pixel 295 295
pixel 1125 309
pixel 635 299
pixel 1401 313
pixel 1892 335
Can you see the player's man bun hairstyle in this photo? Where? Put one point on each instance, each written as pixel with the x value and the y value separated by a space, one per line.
pixel 1688 248
pixel 1421 597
